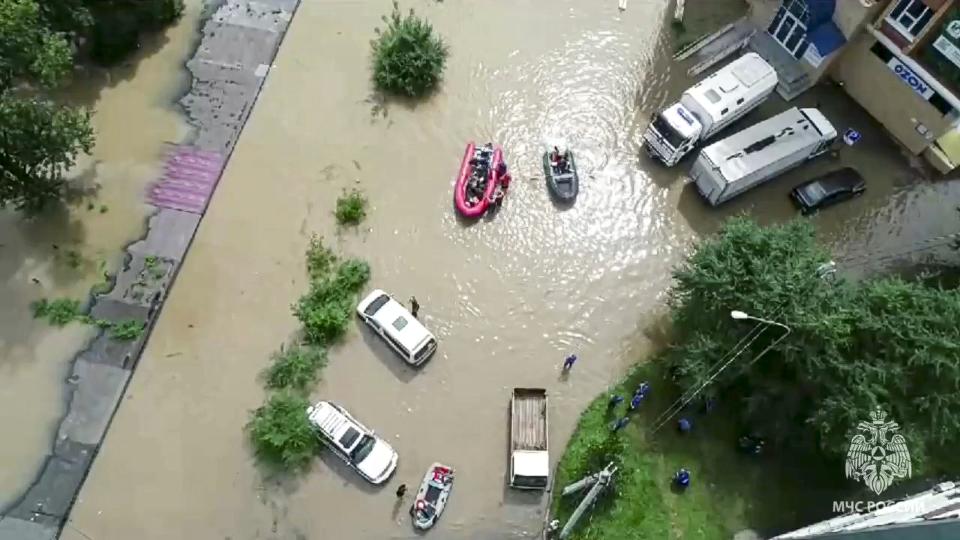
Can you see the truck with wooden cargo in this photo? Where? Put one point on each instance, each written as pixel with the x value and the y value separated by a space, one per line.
pixel 529 452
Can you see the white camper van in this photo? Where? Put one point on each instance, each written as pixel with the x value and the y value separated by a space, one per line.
pixel 750 157
pixel 709 106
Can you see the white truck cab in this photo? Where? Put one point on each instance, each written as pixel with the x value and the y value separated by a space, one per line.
pixel 709 106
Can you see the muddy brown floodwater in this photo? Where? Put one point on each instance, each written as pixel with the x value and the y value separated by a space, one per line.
pixel 509 296
pixel 64 251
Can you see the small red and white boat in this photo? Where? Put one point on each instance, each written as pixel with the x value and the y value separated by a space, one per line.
pixel 472 200
pixel 432 496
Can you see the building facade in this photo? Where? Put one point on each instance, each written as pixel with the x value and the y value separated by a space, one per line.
pixel 899 59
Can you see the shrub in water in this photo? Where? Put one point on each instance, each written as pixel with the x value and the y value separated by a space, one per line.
pixel 326 308
pixel 351 208
pixel 59 312
pixel 320 259
pixel 295 368
pixel 408 59
pixel 281 433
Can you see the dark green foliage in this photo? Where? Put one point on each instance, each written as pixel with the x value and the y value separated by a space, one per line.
pixel 119 25
pixel 59 312
pixel 127 330
pixel 320 259
pixel 351 208
pixel 39 141
pixel 854 346
pixel 281 433
pixel 408 59
pixel 326 309
pixel 295 368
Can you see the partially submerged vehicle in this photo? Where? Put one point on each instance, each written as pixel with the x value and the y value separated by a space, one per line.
pixel 432 496
pixel 398 327
pixel 563 181
pixel 529 453
pixel 478 179
pixel 828 189
pixel 358 446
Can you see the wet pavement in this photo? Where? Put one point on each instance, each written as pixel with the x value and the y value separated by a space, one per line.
pixel 509 297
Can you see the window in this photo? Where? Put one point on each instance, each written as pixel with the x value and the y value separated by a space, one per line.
pixel 789 27
pixel 739 101
pixel 910 17
pixel 723 112
pixel 712 95
pixel 400 323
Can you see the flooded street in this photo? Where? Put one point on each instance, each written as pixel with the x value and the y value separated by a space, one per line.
pixel 509 297
pixel 66 250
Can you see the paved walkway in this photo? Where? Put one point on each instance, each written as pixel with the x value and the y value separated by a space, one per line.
pixel 239 44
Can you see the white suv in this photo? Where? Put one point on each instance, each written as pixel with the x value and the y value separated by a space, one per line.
pixel 401 330
pixel 353 442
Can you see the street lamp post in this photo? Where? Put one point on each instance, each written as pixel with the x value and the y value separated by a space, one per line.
pixel 741 316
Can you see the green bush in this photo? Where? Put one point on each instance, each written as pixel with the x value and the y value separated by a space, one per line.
pixel 326 309
pixel 281 432
pixel 295 368
pixel 408 59
pixel 127 330
pixel 59 312
pixel 320 259
pixel 351 208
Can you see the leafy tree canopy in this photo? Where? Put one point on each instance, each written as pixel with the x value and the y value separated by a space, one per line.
pixel 885 343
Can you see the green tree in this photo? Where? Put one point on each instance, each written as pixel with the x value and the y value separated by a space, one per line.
pixel 885 343
pixel 39 141
pixel 408 59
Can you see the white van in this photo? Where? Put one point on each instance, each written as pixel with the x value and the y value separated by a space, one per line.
pixel 353 442
pixel 401 330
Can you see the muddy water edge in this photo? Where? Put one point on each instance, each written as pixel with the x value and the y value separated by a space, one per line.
pixel 66 250
pixel 508 296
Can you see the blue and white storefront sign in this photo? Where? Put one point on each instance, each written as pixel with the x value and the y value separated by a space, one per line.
pixel 851 136
pixel 910 78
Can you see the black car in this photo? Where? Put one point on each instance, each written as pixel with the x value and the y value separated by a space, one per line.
pixel 829 189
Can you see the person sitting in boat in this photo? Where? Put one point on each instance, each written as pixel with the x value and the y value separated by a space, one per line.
pixel 504 175
pixel 474 191
pixel 559 159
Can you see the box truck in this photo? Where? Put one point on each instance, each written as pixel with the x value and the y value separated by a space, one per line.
pixel 760 152
pixel 709 106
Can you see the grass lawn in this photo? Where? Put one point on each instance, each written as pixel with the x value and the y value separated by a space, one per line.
pixel 729 491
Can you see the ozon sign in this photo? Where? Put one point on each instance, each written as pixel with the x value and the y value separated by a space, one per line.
pixel 912 79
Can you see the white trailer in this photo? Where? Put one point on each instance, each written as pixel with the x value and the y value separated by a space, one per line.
pixel 709 106
pixel 754 155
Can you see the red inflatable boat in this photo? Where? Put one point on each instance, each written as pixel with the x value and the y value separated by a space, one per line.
pixel 474 206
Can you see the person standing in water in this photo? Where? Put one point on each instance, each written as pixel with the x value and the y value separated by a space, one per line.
pixel 414 307
pixel 401 491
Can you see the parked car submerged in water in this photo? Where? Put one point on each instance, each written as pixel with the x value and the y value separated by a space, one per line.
pixel 353 442
pixel 828 189
pixel 400 329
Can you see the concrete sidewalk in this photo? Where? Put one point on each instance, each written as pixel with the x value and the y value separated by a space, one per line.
pixel 240 41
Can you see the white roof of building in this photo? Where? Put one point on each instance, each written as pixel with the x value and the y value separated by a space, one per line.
pixel 794 129
pixel 939 503
pixel 721 90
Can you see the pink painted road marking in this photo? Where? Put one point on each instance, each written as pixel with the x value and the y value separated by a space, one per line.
pixel 189 178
